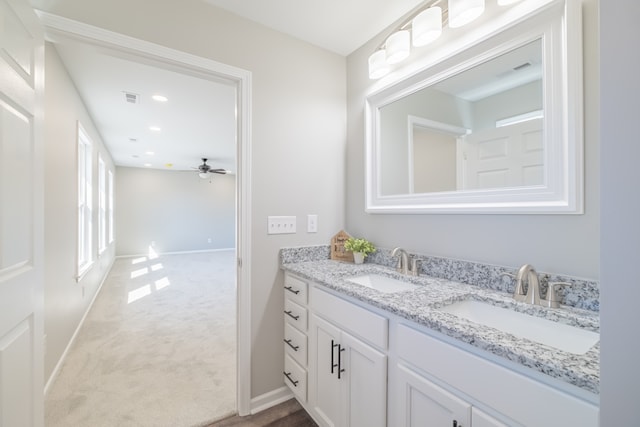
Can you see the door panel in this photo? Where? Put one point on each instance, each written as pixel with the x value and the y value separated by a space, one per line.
pixel 424 404
pixel 327 396
pixel 21 215
pixel 366 379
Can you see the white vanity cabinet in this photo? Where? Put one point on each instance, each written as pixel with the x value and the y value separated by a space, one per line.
pixel 470 387
pixel 353 365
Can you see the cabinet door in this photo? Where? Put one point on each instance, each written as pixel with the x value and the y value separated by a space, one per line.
pixel 421 403
pixel 326 394
pixel 482 419
pixel 365 376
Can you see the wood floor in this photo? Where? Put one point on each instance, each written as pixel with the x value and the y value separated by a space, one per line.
pixel 287 414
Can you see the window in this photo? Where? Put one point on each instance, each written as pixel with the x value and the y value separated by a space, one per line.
pixel 110 207
pixel 85 166
pixel 102 206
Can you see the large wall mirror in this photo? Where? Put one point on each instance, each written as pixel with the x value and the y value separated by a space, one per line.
pixel 494 128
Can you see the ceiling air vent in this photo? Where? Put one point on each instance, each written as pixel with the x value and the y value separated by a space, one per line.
pixel 132 98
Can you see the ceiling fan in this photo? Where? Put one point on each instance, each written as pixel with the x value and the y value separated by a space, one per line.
pixel 204 169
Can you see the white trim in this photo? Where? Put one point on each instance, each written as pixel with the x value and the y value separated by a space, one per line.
pixel 270 399
pixel 63 357
pixel 177 253
pixel 59 28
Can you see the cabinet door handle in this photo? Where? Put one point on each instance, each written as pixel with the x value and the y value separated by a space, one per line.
pixel 294 347
pixel 290 289
pixel 289 313
pixel 340 370
pixel 333 364
pixel 288 375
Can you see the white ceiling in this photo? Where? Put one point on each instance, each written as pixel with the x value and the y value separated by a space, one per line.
pixel 341 26
pixel 199 118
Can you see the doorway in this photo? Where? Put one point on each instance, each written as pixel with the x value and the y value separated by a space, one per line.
pixel 60 29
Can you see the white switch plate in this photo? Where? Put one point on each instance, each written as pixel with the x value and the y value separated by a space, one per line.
pixel 281 225
pixel 312 223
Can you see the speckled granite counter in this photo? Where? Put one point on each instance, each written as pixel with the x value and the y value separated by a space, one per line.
pixel 420 305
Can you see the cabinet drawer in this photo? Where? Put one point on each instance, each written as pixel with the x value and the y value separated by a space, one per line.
pixel 295 344
pixel 295 315
pixel 513 392
pixel 357 320
pixel 295 377
pixel 295 289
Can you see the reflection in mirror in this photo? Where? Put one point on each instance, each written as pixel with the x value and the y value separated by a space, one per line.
pixel 478 129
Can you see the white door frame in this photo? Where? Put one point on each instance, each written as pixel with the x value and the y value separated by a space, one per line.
pixel 57 28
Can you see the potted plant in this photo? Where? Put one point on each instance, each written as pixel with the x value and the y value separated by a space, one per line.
pixel 360 248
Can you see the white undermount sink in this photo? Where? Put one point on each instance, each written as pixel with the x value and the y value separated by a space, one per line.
pixel 558 335
pixel 382 283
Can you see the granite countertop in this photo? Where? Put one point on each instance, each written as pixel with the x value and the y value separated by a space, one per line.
pixel 420 305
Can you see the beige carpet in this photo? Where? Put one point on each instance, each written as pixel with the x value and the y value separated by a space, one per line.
pixel 157 349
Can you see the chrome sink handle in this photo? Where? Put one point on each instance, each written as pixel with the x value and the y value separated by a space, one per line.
pixel 551 299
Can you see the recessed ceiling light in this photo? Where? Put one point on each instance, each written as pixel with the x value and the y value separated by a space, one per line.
pixel 159 98
pixel 149 153
pixel 168 165
pixel 133 139
pixel 148 165
pixel 135 156
pixel 155 128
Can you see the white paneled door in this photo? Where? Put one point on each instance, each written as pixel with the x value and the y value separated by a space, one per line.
pixel 21 215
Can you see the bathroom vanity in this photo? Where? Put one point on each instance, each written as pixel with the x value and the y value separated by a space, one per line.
pixel 370 355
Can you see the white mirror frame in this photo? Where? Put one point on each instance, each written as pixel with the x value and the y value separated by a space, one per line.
pixel 559 24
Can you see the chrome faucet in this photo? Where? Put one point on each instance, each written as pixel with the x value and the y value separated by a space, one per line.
pixel 406 264
pixel 527 274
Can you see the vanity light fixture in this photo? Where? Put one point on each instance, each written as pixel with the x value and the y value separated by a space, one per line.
pixel 398 46
pixel 423 27
pixel 461 12
pixel 426 26
pixel 378 66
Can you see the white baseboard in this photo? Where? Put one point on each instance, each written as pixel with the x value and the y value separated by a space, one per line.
pixel 58 367
pixel 178 253
pixel 272 398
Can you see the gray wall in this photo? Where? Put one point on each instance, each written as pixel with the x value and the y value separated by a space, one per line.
pixel 298 134
pixel 566 244
pixel 619 314
pixel 65 300
pixel 182 217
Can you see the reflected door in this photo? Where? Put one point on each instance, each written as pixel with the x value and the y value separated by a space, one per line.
pixel 509 156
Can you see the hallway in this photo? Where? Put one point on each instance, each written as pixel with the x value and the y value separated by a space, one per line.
pixel 158 348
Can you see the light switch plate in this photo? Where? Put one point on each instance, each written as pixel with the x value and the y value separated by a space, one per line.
pixel 281 225
pixel 312 223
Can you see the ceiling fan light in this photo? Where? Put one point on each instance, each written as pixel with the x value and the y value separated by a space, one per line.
pixel 203 175
pixel 461 12
pixel 398 46
pixel 378 66
pixel 426 26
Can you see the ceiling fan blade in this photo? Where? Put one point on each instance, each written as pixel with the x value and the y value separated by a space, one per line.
pixel 220 171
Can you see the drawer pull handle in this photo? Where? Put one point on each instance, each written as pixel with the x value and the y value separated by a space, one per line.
pixel 290 289
pixel 294 317
pixel 294 347
pixel 288 375
pixel 333 364
pixel 340 369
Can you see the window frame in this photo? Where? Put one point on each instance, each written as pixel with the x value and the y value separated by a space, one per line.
pixel 85 202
